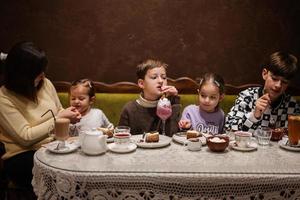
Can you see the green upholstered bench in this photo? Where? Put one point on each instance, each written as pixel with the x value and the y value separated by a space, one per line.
pixel 112 104
pixel 111 98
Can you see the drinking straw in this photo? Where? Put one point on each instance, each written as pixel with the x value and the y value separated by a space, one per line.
pixel 51 113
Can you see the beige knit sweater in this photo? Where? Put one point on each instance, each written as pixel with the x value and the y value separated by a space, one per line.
pixel 21 126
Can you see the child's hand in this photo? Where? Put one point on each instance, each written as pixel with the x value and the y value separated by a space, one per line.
pixel 261 105
pixel 77 115
pixel 71 113
pixel 184 124
pixel 169 90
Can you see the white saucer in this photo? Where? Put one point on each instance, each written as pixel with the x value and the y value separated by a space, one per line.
pixel 163 141
pixel 282 144
pixel 235 147
pixel 181 138
pixel 69 147
pixel 122 148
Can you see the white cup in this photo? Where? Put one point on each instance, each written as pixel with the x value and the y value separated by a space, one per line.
pixel 244 139
pixel 193 144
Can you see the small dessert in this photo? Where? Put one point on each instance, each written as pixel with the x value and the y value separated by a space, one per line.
pixel 192 134
pixel 217 143
pixel 106 131
pixel 152 137
pixel 217 140
pixel 278 133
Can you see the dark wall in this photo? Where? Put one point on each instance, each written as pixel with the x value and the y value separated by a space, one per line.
pixel 105 39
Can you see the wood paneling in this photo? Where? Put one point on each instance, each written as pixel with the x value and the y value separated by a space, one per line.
pixel 184 85
pixel 104 40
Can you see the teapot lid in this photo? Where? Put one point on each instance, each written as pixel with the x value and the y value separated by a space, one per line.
pixel 94 132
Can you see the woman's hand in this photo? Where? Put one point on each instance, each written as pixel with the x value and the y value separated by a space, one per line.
pixel 169 90
pixel 70 113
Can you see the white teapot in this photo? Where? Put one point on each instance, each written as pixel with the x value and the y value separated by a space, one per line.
pixel 93 142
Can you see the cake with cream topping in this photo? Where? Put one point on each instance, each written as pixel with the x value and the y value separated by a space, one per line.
pixel 192 134
pixel 152 137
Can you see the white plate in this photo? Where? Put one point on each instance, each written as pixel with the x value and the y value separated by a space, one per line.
pixel 121 148
pixel 235 147
pixel 181 138
pixel 282 144
pixel 163 141
pixel 69 147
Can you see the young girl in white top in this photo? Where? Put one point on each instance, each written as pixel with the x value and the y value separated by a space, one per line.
pixel 82 97
pixel 206 117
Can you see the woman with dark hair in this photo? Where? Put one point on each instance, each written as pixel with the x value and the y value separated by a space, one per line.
pixel 25 96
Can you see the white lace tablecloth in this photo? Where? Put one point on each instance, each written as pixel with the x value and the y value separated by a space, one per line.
pixel 171 172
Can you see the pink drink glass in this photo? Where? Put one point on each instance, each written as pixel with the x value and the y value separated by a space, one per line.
pixel 164 111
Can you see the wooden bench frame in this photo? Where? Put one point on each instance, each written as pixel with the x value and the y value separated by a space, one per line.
pixel 184 85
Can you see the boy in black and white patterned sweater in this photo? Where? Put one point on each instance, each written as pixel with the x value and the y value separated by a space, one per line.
pixel 266 106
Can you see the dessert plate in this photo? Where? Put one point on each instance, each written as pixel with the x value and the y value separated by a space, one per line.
pixel 121 148
pixel 237 148
pixel 283 144
pixel 163 141
pixel 70 146
pixel 180 137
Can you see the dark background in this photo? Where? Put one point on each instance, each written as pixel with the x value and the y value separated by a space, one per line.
pixel 105 39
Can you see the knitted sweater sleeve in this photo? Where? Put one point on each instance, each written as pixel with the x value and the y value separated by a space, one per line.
pixel 241 116
pixel 125 116
pixel 18 127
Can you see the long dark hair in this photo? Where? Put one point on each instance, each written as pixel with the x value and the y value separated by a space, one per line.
pixel 23 64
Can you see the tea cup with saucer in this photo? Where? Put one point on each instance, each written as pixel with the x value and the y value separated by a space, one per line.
pixel 244 140
pixel 122 143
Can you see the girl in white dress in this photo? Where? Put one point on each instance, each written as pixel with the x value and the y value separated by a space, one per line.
pixel 82 97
